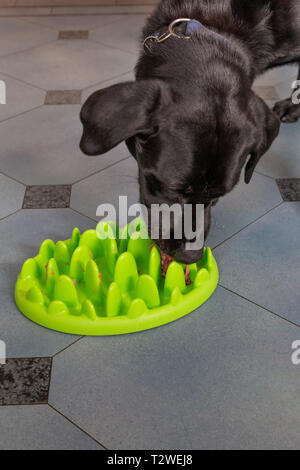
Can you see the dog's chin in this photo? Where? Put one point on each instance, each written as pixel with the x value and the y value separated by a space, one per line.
pixel 189 257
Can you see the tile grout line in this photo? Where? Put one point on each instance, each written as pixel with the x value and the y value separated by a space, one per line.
pixel 107 24
pixel 77 426
pixel 248 225
pixel 83 89
pixel 22 81
pixel 135 54
pixel 260 306
pixel 29 21
pixel 267 176
pixel 9 215
pixel 28 49
pixel 83 215
pixel 263 174
pixel 99 171
pixel 22 20
pixel 69 345
pixel 13 179
pixel 21 114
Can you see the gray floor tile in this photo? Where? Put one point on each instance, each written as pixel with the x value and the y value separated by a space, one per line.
pixel 73 35
pixel 262 262
pixel 283 158
pixel 63 97
pixel 77 64
pixel 47 197
pixel 20 237
pixel 106 187
pixel 40 428
pixel 277 75
pixel 271 103
pixel 242 206
pixel 20 97
pixel 70 22
pixel 220 378
pixel 285 88
pixel 267 92
pixel 290 189
pixel 125 34
pixel 51 155
pixel 17 35
pixel 12 194
pixel 25 381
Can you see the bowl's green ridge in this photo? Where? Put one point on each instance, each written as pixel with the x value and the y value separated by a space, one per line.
pixel 88 285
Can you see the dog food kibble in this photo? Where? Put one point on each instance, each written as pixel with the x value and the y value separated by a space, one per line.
pixel 187 275
pixel 166 260
pixel 165 263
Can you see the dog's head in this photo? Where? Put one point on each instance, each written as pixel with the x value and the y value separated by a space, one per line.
pixel 191 142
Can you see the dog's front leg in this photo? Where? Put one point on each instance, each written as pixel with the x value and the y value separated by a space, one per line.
pixel 289 109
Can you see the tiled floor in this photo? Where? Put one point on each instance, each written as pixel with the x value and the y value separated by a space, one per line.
pixel 220 378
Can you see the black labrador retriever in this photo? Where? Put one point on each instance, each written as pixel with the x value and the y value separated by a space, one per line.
pixel 191 119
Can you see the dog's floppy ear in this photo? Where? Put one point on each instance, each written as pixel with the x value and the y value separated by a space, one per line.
pixel 119 112
pixel 267 127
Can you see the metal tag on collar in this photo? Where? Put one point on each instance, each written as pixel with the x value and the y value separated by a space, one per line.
pixel 169 33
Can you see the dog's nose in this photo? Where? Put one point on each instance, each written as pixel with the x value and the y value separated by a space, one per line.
pixel 88 147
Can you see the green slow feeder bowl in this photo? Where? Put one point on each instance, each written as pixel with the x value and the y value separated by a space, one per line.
pixel 94 286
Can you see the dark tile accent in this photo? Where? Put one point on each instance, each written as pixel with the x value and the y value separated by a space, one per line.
pixel 267 92
pixel 73 35
pixel 290 189
pixel 63 97
pixel 47 197
pixel 25 381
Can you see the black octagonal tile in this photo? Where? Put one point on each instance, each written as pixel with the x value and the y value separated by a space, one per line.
pixel 25 381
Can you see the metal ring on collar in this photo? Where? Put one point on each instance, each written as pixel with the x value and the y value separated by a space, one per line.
pixel 168 34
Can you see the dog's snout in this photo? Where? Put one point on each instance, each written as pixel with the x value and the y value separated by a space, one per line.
pixel 90 142
pixel 188 256
pixel 87 146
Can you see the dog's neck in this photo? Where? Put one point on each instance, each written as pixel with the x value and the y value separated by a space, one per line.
pixel 251 39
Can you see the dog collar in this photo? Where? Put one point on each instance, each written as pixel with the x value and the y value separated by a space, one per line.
pixel 192 26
